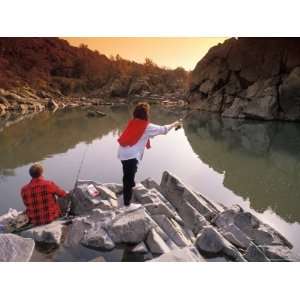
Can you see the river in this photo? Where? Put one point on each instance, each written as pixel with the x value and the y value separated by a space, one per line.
pixel 250 163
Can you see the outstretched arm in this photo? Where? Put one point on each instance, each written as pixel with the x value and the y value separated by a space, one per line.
pixel 154 130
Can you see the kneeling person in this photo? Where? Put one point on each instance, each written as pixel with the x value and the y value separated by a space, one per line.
pixel 39 197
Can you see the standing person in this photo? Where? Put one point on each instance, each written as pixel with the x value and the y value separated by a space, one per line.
pixel 133 141
pixel 39 197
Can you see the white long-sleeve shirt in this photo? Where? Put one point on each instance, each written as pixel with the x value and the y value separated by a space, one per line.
pixel 137 150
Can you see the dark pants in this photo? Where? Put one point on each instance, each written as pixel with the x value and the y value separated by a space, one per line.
pixel 129 170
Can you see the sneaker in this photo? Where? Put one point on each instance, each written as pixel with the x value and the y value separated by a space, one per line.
pixel 132 206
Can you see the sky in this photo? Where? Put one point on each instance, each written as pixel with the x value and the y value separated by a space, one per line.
pixel 166 52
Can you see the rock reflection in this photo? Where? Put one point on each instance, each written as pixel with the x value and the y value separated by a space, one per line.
pixel 259 160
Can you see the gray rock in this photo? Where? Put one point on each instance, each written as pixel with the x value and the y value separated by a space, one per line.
pixel 211 242
pixel 186 254
pixel 158 204
pixel 105 205
pixel 130 227
pixel 97 237
pixel 115 187
pixel 150 183
pixel 14 248
pixel 7 218
pixel 279 253
pixel 255 254
pixel 245 227
pixel 140 248
pixel 143 195
pixel 104 216
pixel 173 230
pixel 51 233
pixel 161 208
pixel 76 231
pixel 83 202
pixel 234 235
pixel 235 110
pixel 179 194
pixel 105 192
pixel 168 241
pixel 155 243
pixel 192 218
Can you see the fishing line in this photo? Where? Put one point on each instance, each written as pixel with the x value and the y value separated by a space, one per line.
pixel 68 211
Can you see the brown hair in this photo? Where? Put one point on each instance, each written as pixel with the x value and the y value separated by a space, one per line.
pixel 142 111
pixel 36 170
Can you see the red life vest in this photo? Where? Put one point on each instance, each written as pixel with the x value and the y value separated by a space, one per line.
pixel 133 132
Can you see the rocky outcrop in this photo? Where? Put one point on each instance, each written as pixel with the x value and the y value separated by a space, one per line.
pixel 255 78
pixel 173 223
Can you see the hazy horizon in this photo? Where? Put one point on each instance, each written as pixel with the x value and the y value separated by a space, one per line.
pixel 164 51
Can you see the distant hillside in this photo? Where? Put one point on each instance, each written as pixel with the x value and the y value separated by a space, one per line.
pixel 250 78
pixel 52 65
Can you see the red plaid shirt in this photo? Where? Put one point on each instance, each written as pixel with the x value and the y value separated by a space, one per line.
pixel 39 199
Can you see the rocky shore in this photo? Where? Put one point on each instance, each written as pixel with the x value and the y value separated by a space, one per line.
pixel 17 104
pixel 174 223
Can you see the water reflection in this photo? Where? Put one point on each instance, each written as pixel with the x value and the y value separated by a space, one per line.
pixel 260 160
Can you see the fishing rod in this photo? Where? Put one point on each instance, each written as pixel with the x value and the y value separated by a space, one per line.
pixel 68 210
pixel 183 118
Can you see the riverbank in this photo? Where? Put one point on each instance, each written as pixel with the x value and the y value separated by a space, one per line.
pixel 174 223
pixel 22 103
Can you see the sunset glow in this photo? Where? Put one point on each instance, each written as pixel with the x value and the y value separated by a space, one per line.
pixel 168 52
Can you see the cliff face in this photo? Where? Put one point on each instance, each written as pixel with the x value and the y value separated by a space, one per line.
pixel 249 78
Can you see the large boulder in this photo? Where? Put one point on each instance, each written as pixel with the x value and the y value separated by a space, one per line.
pixel 130 227
pixel 186 254
pixel 97 237
pixel 51 233
pixel 211 242
pixel 83 202
pixel 14 248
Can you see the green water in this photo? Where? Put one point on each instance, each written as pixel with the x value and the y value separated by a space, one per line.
pixel 254 164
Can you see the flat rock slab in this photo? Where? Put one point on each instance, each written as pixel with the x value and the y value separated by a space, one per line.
pixel 155 243
pixel 50 233
pixel 14 248
pixel 130 227
pixel 187 254
pixel 178 193
pixel 173 230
